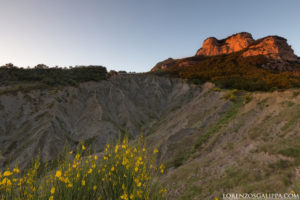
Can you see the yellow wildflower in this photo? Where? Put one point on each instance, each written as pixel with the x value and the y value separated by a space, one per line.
pixel 139 193
pixel 16 170
pixel 95 187
pixel 116 148
pixel 70 185
pixel 162 168
pixel 7 173
pixel 52 190
pixel 58 174
pixel 77 156
pixel 124 196
pixel 6 182
pixel 83 182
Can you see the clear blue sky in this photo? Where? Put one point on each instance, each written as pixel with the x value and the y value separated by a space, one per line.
pixel 132 34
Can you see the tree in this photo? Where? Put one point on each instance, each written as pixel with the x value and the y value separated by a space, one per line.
pixel 41 66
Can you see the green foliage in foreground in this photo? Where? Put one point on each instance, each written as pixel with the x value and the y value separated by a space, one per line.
pixel 125 171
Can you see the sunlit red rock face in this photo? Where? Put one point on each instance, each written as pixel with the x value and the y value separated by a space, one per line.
pixel 273 47
pixel 212 46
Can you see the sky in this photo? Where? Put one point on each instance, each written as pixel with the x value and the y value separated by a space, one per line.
pixel 132 35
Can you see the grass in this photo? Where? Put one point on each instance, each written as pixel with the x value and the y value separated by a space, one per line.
pixel 179 158
pixel 229 115
pixel 191 192
pixel 290 124
pixel 126 171
pixel 291 151
pixel 289 114
pixel 285 147
pixel 280 165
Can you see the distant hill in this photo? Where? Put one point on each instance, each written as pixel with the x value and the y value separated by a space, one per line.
pixel 14 79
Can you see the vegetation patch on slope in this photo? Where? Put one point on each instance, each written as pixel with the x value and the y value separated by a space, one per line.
pixel 232 71
pixel 229 115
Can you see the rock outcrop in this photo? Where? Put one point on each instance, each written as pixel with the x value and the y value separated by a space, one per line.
pixel 273 47
pixel 278 53
pixel 163 64
pixel 212 46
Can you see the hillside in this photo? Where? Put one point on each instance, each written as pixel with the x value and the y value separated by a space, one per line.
pixel 44 119
pixel 215 146
pixel 211 140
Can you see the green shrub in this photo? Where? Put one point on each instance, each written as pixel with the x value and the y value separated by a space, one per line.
pixel 248 98
pixel 216 89
pixel 231 95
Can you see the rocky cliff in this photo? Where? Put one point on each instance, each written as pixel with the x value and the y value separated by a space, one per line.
pixel 273 47
pixel 212 46
pixel 277 52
